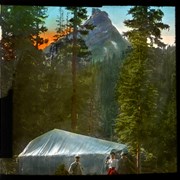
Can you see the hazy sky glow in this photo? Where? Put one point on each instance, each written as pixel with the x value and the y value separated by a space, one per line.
pixel 118 14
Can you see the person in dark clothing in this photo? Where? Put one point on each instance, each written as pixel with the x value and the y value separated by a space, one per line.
pixel 123 164
pixel 126 166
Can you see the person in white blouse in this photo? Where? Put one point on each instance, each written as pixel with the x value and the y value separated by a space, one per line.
pixel 113 164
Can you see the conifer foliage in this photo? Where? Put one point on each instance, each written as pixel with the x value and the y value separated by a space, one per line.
pixel 137 93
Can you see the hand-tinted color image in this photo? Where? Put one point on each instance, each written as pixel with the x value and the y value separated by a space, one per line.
pixel 93 89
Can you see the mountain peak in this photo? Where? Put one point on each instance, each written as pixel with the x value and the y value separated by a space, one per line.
pixel 104 40
pixel 98 17
pixel 96 11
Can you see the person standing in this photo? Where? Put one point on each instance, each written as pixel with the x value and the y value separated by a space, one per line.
pixel 75 167
pixel 112 164
pixel 126 166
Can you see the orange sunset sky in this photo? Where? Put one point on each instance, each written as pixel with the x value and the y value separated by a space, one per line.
pixel 47 35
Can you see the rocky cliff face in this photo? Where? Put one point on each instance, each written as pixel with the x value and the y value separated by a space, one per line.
pixel 103 41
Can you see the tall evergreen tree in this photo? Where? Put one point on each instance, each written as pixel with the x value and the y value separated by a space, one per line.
pixel 79 49
pixel 18 45
pixel 17 38
pixel 137 95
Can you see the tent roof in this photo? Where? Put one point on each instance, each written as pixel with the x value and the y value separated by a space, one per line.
pixel 60 142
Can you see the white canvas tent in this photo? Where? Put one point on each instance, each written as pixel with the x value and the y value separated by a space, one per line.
pixel 45 153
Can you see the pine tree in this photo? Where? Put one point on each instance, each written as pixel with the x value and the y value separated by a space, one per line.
pixel 79 49
pixel 19 27
pixel 137 95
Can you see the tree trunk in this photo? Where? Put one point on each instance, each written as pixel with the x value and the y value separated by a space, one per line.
pixel 90 129
pixel 138 159
pixel 74 61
